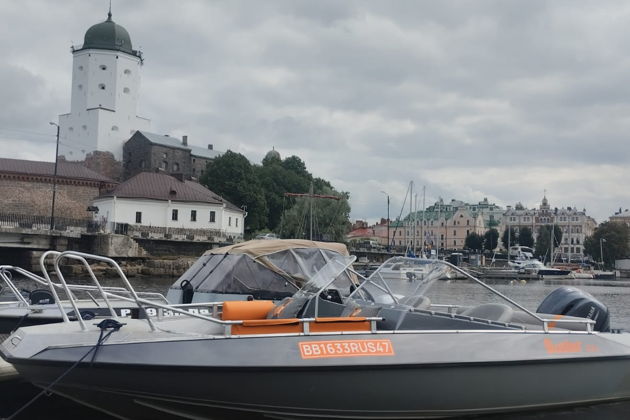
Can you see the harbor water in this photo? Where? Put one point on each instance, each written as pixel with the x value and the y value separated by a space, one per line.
pixel 613 293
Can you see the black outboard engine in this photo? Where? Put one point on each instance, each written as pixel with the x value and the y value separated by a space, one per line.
pixel 574 302
pixel 41 297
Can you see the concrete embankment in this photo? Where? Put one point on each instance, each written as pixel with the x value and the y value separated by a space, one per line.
pixel 133 267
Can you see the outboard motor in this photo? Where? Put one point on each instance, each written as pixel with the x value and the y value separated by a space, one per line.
pixel 574 302
pixel 41 297
pixel 187 291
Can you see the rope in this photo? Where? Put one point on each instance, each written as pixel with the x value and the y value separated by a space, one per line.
pixel 107 324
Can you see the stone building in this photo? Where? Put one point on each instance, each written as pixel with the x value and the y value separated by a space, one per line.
pixel 27 188
pixel 105 94
pixel 149 152
pixel 444 225
pixel 576 225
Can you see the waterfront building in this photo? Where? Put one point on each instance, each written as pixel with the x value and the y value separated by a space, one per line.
pixel 105 93
pixel 164 201
pixel 364 234
pixel 444 225
pixel 27 188
pixel 576 225
pixel 149 152
pixel 621 217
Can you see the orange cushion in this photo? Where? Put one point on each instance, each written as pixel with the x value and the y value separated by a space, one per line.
pixel 268 326
pixel 235 310
pixel 340 324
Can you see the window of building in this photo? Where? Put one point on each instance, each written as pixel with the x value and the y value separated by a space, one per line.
pixel 230 221
pixel 80 87
pixel 193 215
pixel 176 166
pixel 80 68
pixel 138 217
pixel 164 165
pixel 454 233
pixel 174 214
pixel 143 163
pixel 126 90
pixel 127 72
pixel 114 128
pixel 467 222
pixel 101 86
pixel 212 216
pixel 236 221
pixel 102 67
pixel 164 155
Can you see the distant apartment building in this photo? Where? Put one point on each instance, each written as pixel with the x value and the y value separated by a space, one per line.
pixel 576 225
pixel 444 225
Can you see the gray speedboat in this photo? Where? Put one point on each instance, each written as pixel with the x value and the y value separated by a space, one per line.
pixel 335 350
pixel 43 305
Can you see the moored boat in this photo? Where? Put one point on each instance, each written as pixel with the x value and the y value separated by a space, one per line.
pixel 332 350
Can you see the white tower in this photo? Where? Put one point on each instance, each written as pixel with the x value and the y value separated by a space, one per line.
pixel 105 89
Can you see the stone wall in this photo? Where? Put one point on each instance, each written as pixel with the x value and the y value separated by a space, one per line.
pixel 140 155
pixel 35 198
pixel 199 166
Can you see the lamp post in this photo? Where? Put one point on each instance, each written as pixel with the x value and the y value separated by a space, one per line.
pixel 52 212
pixel 601 251
pixel 388 240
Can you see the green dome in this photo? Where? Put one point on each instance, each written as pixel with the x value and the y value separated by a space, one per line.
pixel 108 36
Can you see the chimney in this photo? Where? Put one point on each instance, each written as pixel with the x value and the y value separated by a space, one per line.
pixel 185 140
pixel 210 147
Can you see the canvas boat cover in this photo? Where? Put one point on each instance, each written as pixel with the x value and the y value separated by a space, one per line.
pixel 265 269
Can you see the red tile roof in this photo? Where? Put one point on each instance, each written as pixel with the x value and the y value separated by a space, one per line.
pixel 160 186
pixel 64 169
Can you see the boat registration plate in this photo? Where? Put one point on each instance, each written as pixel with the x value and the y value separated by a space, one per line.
pixel 345 348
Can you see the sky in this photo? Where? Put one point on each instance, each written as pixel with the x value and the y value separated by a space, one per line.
pixel 505 100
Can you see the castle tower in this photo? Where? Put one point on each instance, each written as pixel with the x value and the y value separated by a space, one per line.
pixel 105 91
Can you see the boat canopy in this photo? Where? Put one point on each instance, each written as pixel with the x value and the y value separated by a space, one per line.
pixel 264 269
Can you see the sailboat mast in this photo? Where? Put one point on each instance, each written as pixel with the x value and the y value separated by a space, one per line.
pixel 422 221
pixel 311 210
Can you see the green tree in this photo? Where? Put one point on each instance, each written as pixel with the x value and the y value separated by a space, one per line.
pixel 276 180
pixel 330 217
pixel 513 237
pixel 491 239
pixel 232 177
pixel 474 241
pixel 614 238
pixel 525 237
pixel 543 240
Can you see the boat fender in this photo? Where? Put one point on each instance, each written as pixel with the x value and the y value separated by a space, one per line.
pixel 187 291
pixel 575 302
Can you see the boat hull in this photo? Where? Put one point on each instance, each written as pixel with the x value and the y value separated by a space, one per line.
pixel 425 377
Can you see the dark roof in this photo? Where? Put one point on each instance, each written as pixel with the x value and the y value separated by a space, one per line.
pixel 64 169
pixel 108 36
pixel 163 140
pixel 160 186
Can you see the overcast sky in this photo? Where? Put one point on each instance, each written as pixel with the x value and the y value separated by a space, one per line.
pixel 472 99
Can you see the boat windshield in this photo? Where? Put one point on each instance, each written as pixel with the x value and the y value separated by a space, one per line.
pixel 335 269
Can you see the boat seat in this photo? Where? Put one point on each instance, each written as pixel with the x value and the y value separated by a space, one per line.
pixel 354 310
pixel 417 301
pixel 499 312
pixel 289 307
pixel 246 309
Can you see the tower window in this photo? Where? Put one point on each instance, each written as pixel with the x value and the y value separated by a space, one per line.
pixel 84 127
pixel 102 67
pixel 114 128
pixel 80 68
pixel 176 166
pixel 70 128
pixel 126 90
pixel 101 86
pixel 127 72
pixel 80 87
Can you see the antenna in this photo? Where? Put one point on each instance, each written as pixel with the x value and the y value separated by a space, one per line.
pixel 109 13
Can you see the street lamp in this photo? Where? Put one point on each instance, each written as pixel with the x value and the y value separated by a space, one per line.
pixel 388 240
pixel 52 212
pixel 601 251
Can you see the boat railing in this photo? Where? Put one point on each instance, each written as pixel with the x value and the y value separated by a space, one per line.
pixel 6 275
pixel 588 323
pixel 143 304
